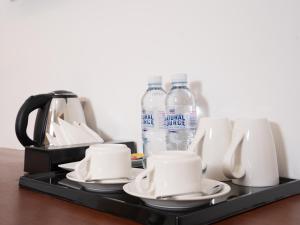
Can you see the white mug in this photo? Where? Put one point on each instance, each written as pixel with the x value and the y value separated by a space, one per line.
pixel 211 142
pixel 170 173
pixel 251 158
pixel 105 161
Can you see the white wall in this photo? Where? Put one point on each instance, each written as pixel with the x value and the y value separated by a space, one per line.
pixel 243 55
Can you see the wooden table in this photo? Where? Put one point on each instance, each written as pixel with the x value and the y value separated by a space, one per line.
pixel 23 207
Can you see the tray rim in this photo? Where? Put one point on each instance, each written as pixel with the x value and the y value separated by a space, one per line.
pixel 206 215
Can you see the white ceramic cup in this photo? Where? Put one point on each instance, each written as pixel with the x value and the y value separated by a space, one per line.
pixel 211 142
pixel 170 173
pixel 251 157
pixel 105 161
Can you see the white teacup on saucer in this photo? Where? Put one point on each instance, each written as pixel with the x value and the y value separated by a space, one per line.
pixel 105 162
pixel 171 173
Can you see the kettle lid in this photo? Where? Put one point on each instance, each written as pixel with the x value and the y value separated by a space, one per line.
pixel 63 94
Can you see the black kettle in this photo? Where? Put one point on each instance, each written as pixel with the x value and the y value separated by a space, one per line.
pixel 51 106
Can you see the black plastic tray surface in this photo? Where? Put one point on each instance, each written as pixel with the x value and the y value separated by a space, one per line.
pixel 240 199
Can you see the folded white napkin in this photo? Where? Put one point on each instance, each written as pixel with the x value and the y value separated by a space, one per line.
pixel 66 133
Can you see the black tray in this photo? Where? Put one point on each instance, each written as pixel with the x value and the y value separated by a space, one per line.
pixel 239 200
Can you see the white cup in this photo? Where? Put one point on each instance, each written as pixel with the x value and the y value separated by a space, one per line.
pixel 105 161
pixel 211 142
pixel 251 157
pixel 170 173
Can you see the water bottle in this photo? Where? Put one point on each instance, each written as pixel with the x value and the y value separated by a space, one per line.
pixel 153 115
pixel 181 117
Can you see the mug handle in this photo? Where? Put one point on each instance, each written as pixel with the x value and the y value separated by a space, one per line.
pixel 194 147
pixel 230 169
pixel 82 168
pixel 139 179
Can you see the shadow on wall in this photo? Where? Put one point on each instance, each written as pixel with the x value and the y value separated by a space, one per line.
pixel 280 148
pixel 201 103
pixel 91 119
pixel 202 107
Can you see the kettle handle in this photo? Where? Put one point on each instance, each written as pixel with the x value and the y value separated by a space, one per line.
pixel 32 103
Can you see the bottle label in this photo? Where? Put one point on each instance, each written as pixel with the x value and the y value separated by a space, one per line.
pixel 153 120
pixel 147 120
pixel 177 121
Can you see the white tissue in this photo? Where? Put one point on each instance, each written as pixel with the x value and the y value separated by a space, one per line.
pixel 89 131
pixel 66 133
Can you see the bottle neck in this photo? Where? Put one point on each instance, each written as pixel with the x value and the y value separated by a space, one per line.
pixel 179 85
pixel 154 86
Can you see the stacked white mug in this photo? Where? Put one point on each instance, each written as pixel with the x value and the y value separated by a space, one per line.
pixel 251 157
pixel 210 143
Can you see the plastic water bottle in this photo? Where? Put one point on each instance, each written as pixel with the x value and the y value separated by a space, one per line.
pixel 153 115
pixel 181 117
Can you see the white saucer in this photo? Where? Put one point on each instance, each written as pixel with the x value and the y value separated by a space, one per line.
pixel 104 186
pixel 71 166
pixel 182 202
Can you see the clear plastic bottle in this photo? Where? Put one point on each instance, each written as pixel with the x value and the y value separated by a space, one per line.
pixel 153 117
pixel 181 117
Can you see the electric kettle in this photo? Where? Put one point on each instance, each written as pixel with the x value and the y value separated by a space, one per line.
pixel 57 104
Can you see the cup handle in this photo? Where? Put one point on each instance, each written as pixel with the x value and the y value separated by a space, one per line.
pixel 195 145
pixel 230 169
pixel 139 179
pixel 82 168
